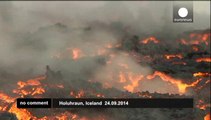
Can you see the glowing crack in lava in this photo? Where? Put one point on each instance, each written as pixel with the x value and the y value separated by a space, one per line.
pixel 149 39
pixel 170 56
pixel 6 98
pixel 203 60
pixel 181 86
pixel 201 74
pixel 133 79
pixel 35 88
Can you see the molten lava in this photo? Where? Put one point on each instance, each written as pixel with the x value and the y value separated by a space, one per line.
pixel 67 116
pixel 201 74
pixel 203 60
pixel 6 98
pixel 150 39
pixel 76 53
pixel 170 56
pixel 38 90
pixel 207 117
pixel 196 39
pixel 79 94
pixel 181 86
pixel 202 105
pixel 132 79
pixel 21 114
pixel 30 87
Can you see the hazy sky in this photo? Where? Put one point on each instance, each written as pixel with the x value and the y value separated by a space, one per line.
pixel 36 13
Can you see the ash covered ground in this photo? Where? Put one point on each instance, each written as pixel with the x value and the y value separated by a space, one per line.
pixel 103 51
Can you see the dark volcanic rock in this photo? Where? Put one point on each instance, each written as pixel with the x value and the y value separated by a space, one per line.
pixel 7 116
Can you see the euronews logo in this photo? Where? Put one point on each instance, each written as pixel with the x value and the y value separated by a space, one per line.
pixel 183 13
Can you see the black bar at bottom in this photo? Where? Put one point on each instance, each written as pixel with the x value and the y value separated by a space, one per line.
pixel 123 103
pixel 33 103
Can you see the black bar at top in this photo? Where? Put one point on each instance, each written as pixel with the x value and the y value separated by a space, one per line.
pixel 124 103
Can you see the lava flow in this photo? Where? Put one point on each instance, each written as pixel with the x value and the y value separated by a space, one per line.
pixel 207 117
pixel 174 56
pixel 181 86
pixel 150 39
pixel 201 74
pixel 196 39
pixel 203 60
pixel 130 67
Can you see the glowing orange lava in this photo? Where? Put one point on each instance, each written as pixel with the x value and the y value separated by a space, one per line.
pixel 35 88
pixel 133 79
pixel 196 38
pixel 207 117
pixel 181 86
pixel 80 94
pixel 6 98
pixel 201 74
pixel 38 90
pixel 147 40
pixel 203 60
pixel 170 56
pixel 76 53
pixel 21 114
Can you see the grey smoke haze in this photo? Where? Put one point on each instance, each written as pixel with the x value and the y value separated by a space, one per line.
pixel 29 36
pixel 143 15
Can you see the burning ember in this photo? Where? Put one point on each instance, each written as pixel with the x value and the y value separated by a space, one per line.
pixel 76 53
